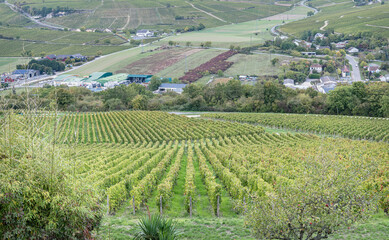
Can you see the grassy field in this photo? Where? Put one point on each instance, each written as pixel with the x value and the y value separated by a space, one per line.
pixel 345 18
pixel 256 64
pixel 9 64
pixel 242 34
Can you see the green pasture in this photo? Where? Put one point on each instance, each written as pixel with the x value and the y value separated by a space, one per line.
pixel 242 34
pixel 8 64
pixel 345 18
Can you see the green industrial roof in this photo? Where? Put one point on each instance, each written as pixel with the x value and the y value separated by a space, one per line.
pixel 97 75
pixel 113 78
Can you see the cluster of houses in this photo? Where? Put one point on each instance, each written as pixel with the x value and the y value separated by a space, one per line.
pixel 19 75
pixel 338 45
pixel 99 81
pixel 76 56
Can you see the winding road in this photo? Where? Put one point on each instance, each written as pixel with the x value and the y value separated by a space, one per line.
pixel 16 9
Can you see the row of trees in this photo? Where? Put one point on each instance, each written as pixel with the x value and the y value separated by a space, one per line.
pixel 266 96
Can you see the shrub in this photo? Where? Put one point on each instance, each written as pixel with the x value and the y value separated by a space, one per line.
pixel 156 227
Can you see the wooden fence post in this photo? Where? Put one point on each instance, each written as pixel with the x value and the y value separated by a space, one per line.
pixel 133 204
pixel 160 204
pixel 107 204
pixel 218 206
pixel 244 204
pixel 190 206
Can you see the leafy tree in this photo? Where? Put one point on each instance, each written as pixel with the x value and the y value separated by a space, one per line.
pixel 220 73
pixel 139 103
pixel 207 44
pixel 274 61
pixel 310 13
pixel 370 57
pixel 328 195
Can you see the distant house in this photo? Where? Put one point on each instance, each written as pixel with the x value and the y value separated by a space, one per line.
pixel 353 50
pixel 373 68
pixel 316 67
pixel 144 33
pixel 26 73
pixel 319 35
pixel 345 71
pixel 387 77
pixel 322 47
pixel 171 87
pixel 340 45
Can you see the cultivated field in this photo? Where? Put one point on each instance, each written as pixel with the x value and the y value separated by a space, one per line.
pixel 114 62
pixel 161 14
pixel 159 61
pixel 345 18
pixel 241 34
pixel 9 64
pixel 164 161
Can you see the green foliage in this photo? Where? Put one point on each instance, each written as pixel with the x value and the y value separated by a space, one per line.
pixel 327 196
pixel 39 195
pixel 155 227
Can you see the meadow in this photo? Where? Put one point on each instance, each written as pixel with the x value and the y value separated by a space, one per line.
pixel 345 18
pixel 152 161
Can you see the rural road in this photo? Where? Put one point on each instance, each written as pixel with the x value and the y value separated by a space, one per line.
pixel 355 73
pixel 274 31
pixel 16 9
pixel 210 14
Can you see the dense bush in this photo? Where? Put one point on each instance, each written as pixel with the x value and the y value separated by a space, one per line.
pixel 39 198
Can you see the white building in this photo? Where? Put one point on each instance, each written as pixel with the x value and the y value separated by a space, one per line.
pixel 144 33
pixel 171 87
pixel 353 50
pixel 316 67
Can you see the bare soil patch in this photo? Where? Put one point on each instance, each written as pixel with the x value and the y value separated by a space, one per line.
pixel 157 62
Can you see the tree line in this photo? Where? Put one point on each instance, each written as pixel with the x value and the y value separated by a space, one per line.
pixel 265 96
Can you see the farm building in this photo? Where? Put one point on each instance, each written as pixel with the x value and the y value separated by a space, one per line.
pixel 97 75
pixel 308 53
pixel 133 78
pixel 144 33
pixel 171 87
pixel 26 73
pixel 373 68
pixel 68 80
pixel 112 81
